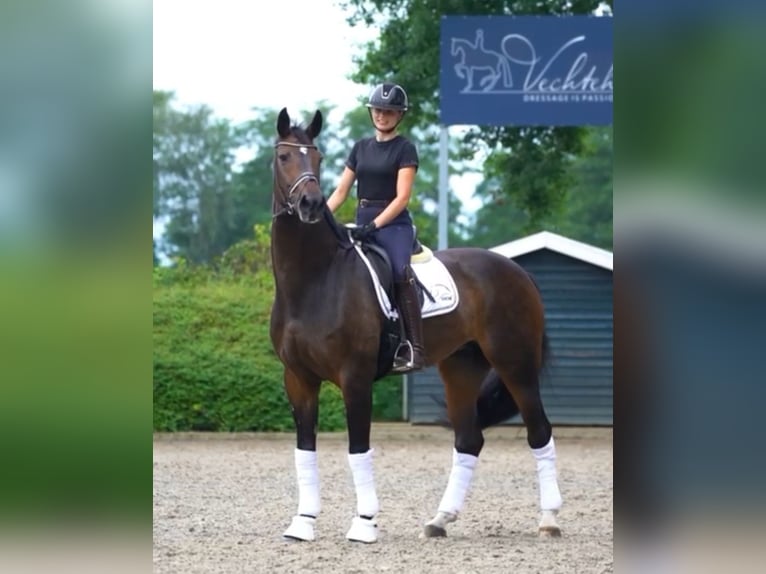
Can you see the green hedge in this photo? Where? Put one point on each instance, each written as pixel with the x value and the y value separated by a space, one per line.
pixel 214 366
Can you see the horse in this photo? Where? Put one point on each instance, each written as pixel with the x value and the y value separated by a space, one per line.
pixel 476 58
pixel 326 325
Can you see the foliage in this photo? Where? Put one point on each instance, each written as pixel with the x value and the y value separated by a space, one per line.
pixel 211 361
pixel 586 215
pixel 193 160
pixel 214 366
pixel 527 164
pixel 425 201
pixel 247 256
pixel 497 221
pixel 253 181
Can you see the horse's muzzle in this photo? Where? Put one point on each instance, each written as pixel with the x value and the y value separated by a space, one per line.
pixel 310 208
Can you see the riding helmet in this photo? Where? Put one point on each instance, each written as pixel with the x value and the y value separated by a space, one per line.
pixel 388 97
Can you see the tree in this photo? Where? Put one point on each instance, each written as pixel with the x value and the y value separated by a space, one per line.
pixel 495 222
pixel 528 165
pixel 587 214
pixel 254 181
pixel 193 157
pixel 425 202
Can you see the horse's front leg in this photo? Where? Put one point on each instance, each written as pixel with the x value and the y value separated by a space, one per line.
pixel 357 396
pixel 303 394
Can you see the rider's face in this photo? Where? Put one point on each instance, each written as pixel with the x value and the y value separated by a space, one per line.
pixel 385 119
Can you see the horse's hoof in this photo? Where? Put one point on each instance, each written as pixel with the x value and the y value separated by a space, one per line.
pixel 363 530
pixel 301 529
pixel 433 531
pixel 434 528
pixel 549 527
pixel 549 532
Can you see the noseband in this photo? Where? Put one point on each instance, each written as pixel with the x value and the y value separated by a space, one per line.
pixel 287 198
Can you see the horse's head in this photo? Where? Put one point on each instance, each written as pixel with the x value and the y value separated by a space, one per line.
pixel 296 169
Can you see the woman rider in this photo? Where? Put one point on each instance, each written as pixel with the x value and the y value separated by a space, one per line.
pixel 384 168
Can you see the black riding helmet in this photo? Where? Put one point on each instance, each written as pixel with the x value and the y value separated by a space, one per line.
pixel 388 97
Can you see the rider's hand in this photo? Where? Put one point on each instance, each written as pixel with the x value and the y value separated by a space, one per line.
pixel 364 232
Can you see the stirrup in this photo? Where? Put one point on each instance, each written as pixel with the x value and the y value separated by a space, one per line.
pixel 402 364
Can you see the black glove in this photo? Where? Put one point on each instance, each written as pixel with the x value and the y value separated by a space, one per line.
pixel 364 232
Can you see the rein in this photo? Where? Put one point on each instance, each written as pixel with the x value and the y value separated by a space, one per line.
pixel 288 206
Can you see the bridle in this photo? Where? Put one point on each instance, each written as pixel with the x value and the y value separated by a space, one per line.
pixel 288 204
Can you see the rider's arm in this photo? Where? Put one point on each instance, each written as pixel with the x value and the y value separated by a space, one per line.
pixel 340 194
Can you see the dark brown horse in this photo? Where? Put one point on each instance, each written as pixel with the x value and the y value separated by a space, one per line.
pixel 326 324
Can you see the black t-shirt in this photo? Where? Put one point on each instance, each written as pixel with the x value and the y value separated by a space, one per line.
pixel 377 164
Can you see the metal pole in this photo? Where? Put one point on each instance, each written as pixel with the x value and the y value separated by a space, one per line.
pixel 443 185
pixel 405 397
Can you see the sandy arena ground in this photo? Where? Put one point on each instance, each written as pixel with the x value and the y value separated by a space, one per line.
pixel 221 503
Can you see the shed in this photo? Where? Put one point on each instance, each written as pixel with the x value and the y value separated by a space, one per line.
pixel 575 280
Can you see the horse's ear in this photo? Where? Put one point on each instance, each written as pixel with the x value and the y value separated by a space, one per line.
pixel 316 125
pixel 283 123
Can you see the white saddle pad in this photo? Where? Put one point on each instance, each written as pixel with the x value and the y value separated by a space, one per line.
pixel 433 275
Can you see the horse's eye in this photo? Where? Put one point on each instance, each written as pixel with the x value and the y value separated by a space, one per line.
pixel 284 156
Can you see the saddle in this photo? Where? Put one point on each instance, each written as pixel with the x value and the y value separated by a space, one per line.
pixel 382 265
pixel 393 329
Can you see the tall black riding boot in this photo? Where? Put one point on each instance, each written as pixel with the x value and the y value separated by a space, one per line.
pixel 408 305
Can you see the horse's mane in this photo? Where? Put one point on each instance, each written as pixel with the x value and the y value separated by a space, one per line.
pixel 339 230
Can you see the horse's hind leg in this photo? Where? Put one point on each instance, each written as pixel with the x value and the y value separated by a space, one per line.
pixel 303 394
pixel 519 373
pixel 461 374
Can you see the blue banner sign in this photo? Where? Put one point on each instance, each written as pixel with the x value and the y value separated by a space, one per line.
pixel 526 70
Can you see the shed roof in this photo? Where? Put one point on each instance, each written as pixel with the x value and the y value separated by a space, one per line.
pixel 564 245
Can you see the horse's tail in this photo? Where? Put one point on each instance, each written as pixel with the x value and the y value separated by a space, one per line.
pixel 495 403
pixel 545 353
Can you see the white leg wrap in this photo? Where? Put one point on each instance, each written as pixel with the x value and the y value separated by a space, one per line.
pixel 459 481
pixel 308 482
pixel 364 483
pixel 550 496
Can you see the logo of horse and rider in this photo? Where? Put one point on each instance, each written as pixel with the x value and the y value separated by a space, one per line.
pixel 490 71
